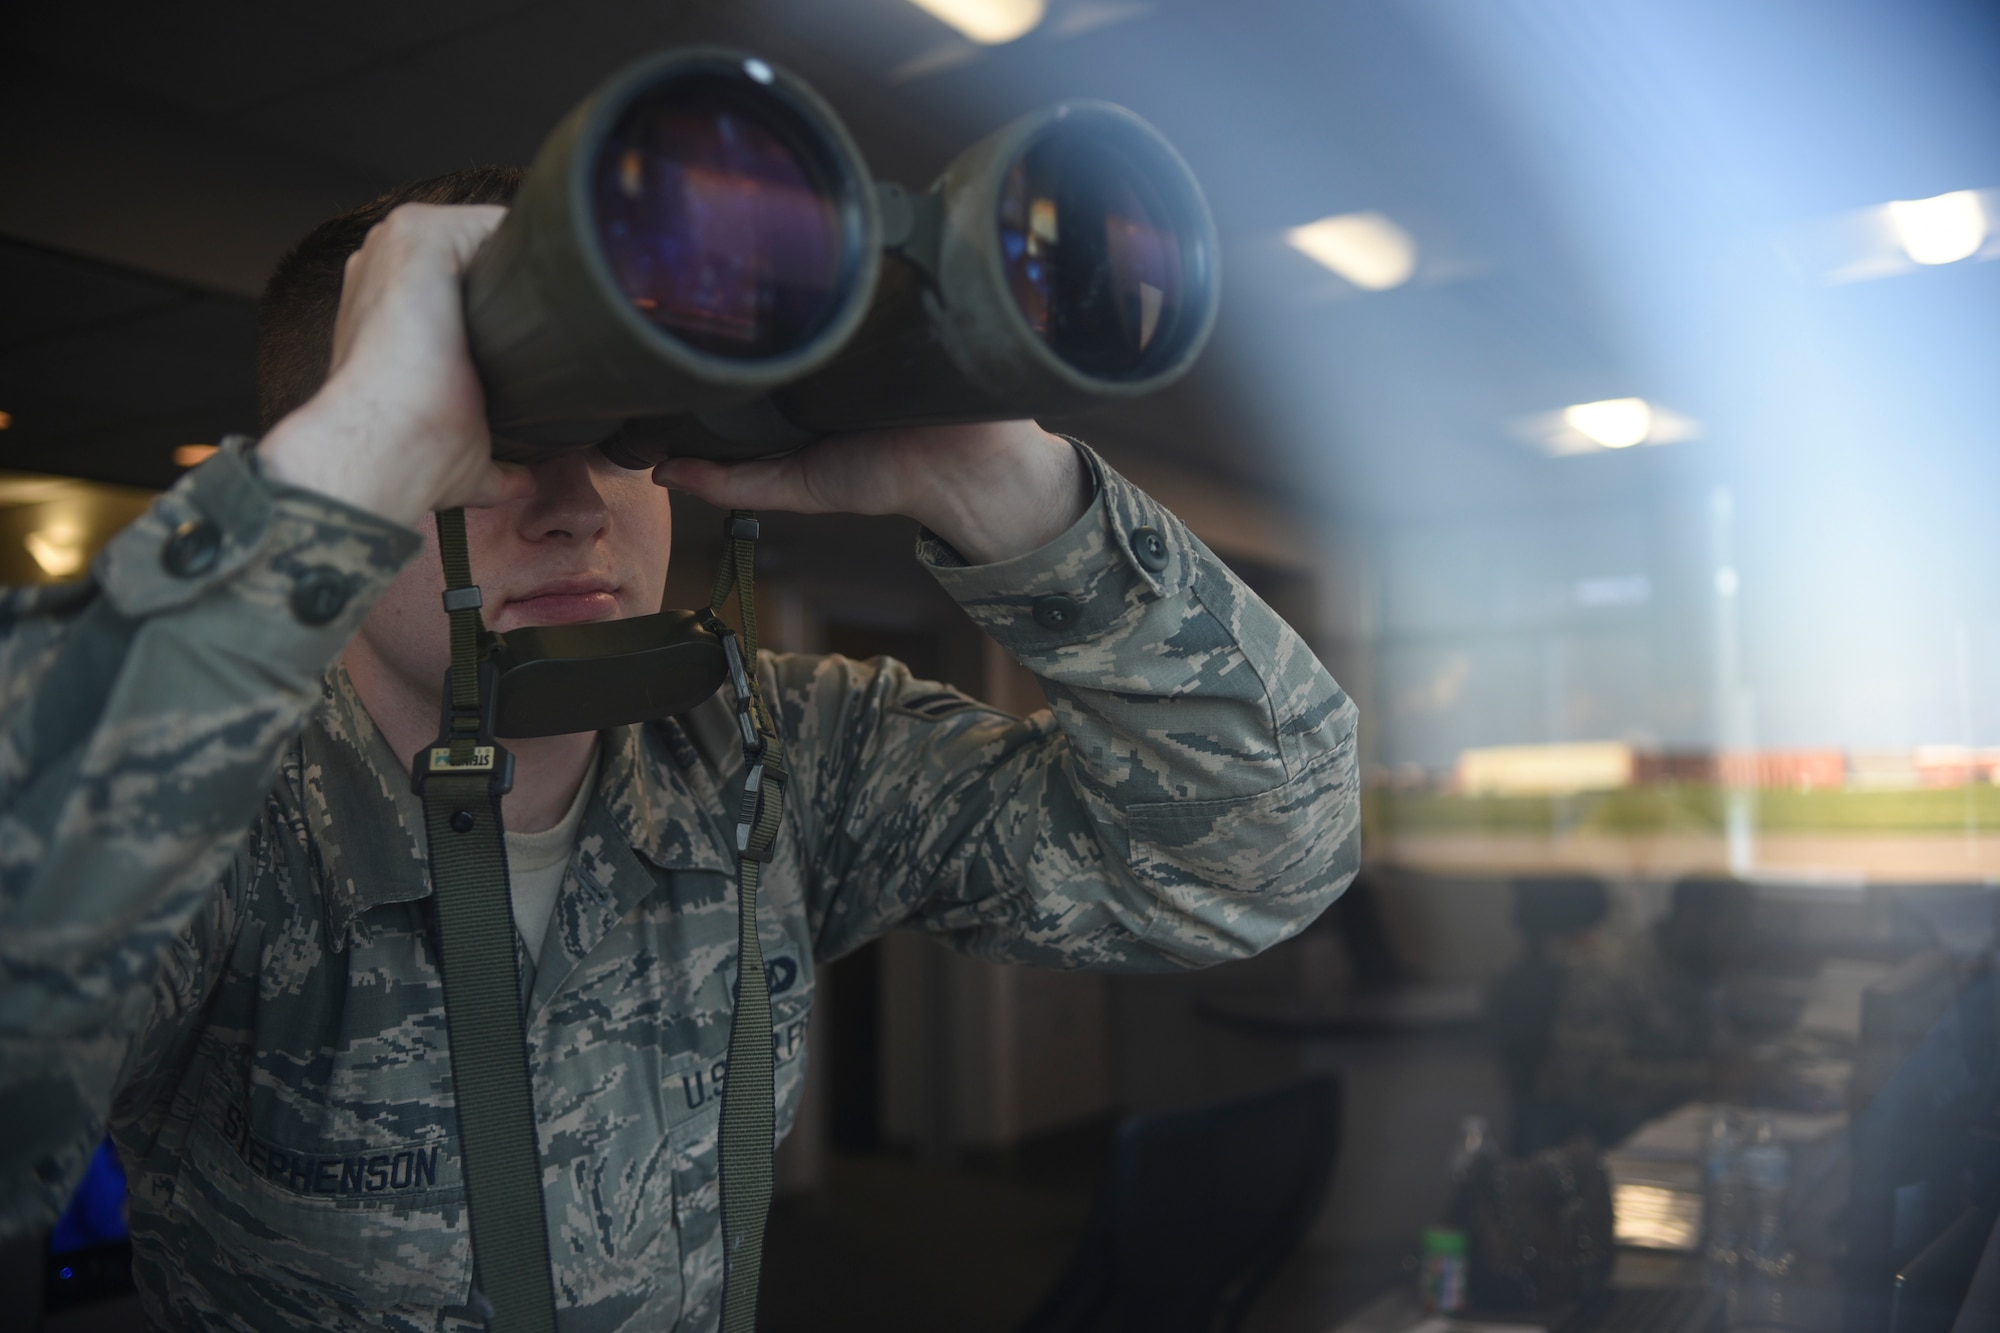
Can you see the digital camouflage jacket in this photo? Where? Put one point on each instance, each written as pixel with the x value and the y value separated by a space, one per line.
pixel 1634 1037
pixel 213 920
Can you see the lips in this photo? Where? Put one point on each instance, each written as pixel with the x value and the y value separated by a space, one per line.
pixel 564 601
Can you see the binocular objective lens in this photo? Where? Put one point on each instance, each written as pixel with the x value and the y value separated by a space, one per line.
pixel 717 221
pixel 1091 255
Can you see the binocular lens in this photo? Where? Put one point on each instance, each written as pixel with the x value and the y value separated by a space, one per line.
pixel 1092 257
pixel 719 220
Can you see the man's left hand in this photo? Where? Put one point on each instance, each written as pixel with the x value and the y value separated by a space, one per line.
pixel 994 489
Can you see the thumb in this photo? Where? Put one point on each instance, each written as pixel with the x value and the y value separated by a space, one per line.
pixel 777 483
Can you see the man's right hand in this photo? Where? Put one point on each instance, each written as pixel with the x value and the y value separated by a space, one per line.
pixel 399 427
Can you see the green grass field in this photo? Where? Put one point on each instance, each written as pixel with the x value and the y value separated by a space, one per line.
pixel 1684 809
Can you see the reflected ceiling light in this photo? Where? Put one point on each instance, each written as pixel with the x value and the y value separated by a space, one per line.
pixel 1609 424
pixel 1367 249
pixel 1887 240
pixel 193 455
pixel 1614 423
pixel 988 22
pixel 1940 230
pixel 57 547
pixel 6 420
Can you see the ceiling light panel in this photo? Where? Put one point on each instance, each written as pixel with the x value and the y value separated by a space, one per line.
pixel 1367 249
pixel 988 22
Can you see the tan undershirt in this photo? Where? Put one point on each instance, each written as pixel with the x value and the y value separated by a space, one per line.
pixel 536 863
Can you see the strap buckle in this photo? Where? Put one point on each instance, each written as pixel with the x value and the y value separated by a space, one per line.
pixel 739 685
pixel 763 791
pixel 456 725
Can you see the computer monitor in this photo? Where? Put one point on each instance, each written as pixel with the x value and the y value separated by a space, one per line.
pixel 1926 1058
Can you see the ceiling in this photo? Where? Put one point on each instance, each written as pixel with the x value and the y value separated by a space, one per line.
pixel 161 158
pixel 1602 197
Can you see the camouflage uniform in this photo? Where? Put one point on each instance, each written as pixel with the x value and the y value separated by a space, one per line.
pixel 1634 1037
pixel 257 1015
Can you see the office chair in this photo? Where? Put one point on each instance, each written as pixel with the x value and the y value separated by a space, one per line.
pixel 1521 1007
pixel 1196 1210
pixel 1915 1142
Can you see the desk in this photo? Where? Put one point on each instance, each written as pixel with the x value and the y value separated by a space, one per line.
pixel 1657 1174
pixel 1807 1298
pixel 1814 1309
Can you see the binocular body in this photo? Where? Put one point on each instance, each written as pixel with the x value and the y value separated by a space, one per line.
pixel 699 264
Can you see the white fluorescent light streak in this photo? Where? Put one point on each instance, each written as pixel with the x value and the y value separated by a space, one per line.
pixel 1367 249
pixel 1940 230
pixel 988 22
pixel 1614 423
pixel 1899 237
pixel 1607 424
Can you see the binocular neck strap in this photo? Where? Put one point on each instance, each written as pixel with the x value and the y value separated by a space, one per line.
pixel 461 779
pixel 463 610
pixel 749 1122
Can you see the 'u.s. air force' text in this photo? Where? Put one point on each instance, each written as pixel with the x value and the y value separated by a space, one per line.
pixel 787 1040
pixel 388 1172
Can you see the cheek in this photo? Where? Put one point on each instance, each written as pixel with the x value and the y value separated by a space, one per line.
pixel 648 509
pixel 407 628
pixel 644 528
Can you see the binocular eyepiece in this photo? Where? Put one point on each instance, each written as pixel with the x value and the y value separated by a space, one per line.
pixel 700 264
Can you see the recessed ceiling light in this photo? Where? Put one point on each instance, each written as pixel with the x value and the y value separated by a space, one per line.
pixel 1902 236
pixel 1940 230
pixel 1609 423
pixel 193 455
pixel 1614 423
pixel 1367 249
pixel 988 22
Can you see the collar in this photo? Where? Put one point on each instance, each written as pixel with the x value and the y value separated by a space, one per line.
pixel 367 826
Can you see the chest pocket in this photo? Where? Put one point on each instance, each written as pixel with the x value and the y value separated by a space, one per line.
pixel 365 1224
pixel 633 1050
pixel 694 1086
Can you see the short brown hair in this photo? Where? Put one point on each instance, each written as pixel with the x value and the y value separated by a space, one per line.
pixel 295 317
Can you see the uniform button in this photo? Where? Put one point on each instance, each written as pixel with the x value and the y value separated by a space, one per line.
pixel 1055 611
pixel 319 595
pixel 193 549
pixel 1150 548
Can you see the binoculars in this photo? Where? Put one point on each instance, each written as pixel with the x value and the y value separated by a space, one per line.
pixel 699 264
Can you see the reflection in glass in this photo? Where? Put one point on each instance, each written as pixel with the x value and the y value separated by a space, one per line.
pixel 1091 255
pixel 717 222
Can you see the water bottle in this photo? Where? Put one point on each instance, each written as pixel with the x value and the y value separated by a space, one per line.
pixel 1474 1142
pixel 1446 1258
pixel 1722 1199
pixel 1759 1296
pixel 1767 1171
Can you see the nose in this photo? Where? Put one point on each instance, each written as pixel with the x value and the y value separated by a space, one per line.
pixel 566 505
